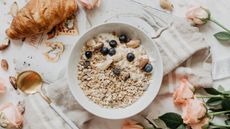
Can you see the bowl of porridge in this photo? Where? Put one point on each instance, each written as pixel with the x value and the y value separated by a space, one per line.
pixel 114 70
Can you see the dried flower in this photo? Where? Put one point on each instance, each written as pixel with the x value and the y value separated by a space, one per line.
pixel 21 107
pixel 198 15
pixel 193 111
pixel 5 44
pixel 10 116
pixel 90 5
pixel 68 27
pixel 13 82
pixel 69 23
pixel 183 92
pixel 4 64
pixel 55 51
pixel 14 9
pixel 130 124
pixel 165 4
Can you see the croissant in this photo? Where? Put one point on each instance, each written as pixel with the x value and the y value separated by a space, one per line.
pixel 39 16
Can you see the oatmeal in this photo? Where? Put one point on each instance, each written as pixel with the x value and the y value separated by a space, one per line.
pixel 114 71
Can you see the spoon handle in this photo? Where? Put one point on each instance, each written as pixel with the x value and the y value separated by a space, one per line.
pixel 63 116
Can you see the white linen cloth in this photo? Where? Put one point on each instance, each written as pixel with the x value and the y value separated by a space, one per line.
pixel 181 45
pixel 221 69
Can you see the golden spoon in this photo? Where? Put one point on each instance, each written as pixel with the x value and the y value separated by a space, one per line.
pixel 30 82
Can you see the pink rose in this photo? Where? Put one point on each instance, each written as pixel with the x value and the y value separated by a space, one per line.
pixel 90 5
pixel 203 123
pixel 10 116
pixel 183 92
pixel 2 86
pixel 198 15
pixel 193 111
pixel 130 124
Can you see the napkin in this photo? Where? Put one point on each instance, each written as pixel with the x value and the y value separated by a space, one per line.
pixel 184 53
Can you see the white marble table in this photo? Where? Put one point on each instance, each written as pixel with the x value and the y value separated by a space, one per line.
pixel 219 9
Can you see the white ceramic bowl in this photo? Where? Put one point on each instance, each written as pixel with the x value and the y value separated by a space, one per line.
pixel 148 95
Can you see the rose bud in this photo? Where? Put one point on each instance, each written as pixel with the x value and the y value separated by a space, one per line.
pixel 183 92
pixel 198 15
pixel 193 111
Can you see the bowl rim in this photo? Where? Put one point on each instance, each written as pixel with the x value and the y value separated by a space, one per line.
pixel 70 85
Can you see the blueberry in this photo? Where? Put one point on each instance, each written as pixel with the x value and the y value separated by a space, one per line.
pixel 123 38
pixel 148 68
pixel 88 54
pixel 112 51
pixel 130 57
pixel 113 43
pixel 116 71
pixel 104 50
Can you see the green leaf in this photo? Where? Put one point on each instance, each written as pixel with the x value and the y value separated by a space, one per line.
pixel 205 126
pixel 220 88
pixel 226 104
pixel 222 36
pixel 160 124
pixel 226 92
pixel 212 91
pixel 227 122
pixel 172 120
pixel 150 122
pixel 181 127
pixel 214 101
pixel 219 109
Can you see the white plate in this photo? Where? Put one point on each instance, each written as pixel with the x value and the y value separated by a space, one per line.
pixel 148 95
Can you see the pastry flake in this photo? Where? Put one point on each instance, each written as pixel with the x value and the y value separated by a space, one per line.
pixel 55 51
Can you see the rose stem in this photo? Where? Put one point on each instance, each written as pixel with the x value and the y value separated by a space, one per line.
pixel 216 22
pixel 210 96
pixel 218 113
pixel 217 126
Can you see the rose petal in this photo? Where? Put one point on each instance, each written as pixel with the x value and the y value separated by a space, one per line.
pixel 183 92
pixel 97 3
pixel 198 21
pixel 12 114
pixel 201 13
pixel 201 124
pixel 193 111
pixel 190 12
pixel 86 4
pixel 90 5
pixel 130 124
pixel 198 15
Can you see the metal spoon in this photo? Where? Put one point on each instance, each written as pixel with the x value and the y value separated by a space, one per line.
pixel 30 82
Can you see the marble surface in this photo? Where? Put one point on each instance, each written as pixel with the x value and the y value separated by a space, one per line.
pixel 218 8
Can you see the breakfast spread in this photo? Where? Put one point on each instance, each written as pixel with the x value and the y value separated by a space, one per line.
pixel 39 16
pixel 114 70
